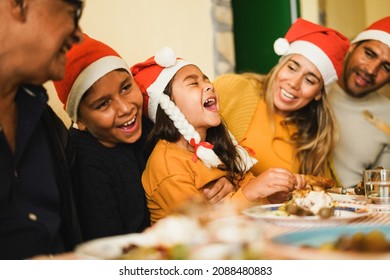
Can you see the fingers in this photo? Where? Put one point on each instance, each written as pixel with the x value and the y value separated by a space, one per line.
pixel 300 181
pixel 218 190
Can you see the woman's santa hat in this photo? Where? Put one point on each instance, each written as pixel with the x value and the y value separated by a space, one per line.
pixel 379 30
pixel 323 46
pixel 152 77
pixel 85 64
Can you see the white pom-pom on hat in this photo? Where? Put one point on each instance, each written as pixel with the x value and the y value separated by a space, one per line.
pixel 165 57
pixel 281 46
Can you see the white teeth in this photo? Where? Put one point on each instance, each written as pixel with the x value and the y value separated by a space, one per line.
pixel 209 100
pixel 129 122
pixel 286 94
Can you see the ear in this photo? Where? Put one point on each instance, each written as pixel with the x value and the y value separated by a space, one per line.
pixel 81 126
pixel 18 9
pixel 318 97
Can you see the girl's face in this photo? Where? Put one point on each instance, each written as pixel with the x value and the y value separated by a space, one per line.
pixel 112 109
pixel 194 95
pixel 296 85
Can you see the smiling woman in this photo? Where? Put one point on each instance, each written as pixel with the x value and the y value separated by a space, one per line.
pixel 285 116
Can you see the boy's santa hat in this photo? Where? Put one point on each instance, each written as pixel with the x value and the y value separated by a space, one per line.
pixel 86 63
pixel 323 46
pixel 379 30
pixel 152 76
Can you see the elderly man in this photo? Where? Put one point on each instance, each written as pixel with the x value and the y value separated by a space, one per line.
pixel 37 214
pixel 362 113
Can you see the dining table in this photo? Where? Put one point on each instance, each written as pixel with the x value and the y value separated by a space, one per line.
pixel 375 219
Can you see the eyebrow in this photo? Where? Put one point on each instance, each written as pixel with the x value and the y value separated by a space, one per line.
pixel 195 76
pixel 310 73
pixel 106 95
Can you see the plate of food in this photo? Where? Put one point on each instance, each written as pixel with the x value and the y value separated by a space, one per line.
pixel 308 208
pixel 344 242
pixel 348 197
pixel 180 237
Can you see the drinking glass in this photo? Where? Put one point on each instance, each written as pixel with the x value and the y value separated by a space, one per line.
pixel 377 188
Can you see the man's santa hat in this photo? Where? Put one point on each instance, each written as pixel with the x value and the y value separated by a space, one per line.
pixel 85 64
pixel 379 30
pixel 152 76
pixel 323 46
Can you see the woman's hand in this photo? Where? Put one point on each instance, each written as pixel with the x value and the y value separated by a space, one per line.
pixel 217 190
pixel 275 181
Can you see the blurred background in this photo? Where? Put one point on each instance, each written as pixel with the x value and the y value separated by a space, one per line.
pixel 220 36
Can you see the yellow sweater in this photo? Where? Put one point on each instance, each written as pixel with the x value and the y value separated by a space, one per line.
pixel 246 117
pixel 171 178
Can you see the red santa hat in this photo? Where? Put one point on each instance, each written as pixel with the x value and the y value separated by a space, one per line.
pixel 85 64
pixel 152 76
pixel 323 46
pixel 379 30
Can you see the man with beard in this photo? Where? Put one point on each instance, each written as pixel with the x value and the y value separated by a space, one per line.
pixel 360 109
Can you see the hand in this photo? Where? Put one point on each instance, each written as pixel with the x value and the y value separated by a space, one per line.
pixel 272 181
pixel 278 197
pixel 300 181
pixel 217 190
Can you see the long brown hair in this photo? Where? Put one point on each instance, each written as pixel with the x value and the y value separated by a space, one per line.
pixel 317 130
pixel 224 148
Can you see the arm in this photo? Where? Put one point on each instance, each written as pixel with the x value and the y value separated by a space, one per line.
pixel 238 98
pixel 217 190
pixel 272 181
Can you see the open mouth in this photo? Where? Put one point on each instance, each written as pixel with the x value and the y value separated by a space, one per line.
pixel 210 104
pixel 362 79
pixel 286 94
pixel 129 124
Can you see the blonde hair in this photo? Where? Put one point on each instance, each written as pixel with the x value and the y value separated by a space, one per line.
pixel 317 130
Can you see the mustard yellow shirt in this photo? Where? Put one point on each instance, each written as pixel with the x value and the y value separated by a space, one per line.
pixel 239 96
pixel 171 178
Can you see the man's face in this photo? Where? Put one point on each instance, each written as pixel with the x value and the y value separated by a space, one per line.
pixel 366 69
pixel 51 30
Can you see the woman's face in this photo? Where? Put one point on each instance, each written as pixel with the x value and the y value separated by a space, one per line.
pixel 112 109
pixel 297 83
pixel 194 95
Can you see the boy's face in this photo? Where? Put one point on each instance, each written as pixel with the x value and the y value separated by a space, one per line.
pixel 111 110
pixel 367 68
pixel 194 95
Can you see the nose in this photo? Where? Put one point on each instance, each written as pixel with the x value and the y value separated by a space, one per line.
pixel 123 106
pixel 372 68
pixel 209 87
pixel 294 81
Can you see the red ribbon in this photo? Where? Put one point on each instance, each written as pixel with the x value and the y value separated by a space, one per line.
pixel 207 145
pixel 250 151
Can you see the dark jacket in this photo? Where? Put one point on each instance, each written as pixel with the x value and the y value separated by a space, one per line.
pixel 110 196
pixel 37 209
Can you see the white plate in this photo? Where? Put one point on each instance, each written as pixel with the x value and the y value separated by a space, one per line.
pixel 347 197
pixel 344 213
pixel 304 244
pixel 108 247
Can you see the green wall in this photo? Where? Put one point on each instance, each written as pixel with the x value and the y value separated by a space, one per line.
pixel 257 24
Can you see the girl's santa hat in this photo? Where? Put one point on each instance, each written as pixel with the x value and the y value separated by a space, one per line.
pixel 323 46
pixel 379 30
pixel 152 77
